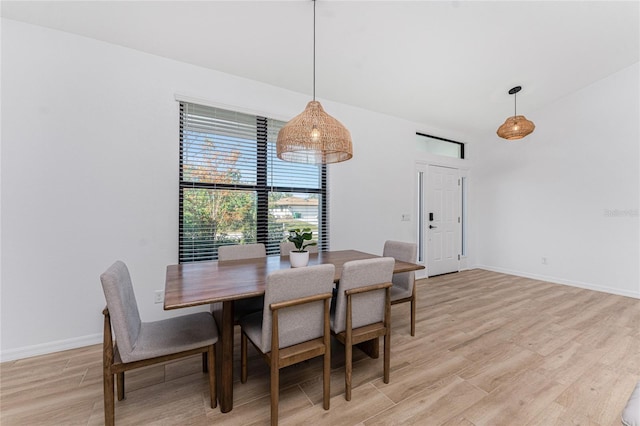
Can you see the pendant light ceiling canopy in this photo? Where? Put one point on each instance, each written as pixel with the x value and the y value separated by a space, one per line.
pixel 516 127
pixel 313 136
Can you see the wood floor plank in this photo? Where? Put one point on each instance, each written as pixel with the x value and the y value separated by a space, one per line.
pixel 500 370
pixel 490 349
pixel 292 402
pixel 366 401
pixel 418 376
pixel 551 415
pixel 625 354
pixel 597 395
pixel 435 404
pixel 516 402
pixel 571 362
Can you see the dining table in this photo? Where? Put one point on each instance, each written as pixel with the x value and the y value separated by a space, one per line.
pixel 221 283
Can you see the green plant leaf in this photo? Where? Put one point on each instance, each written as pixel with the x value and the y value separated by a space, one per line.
pixel 298 238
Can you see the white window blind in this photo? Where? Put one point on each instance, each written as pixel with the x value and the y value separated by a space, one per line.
pixel 233 188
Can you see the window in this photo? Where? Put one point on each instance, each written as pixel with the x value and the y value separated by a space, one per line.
pixel 439 146
pixel 233 188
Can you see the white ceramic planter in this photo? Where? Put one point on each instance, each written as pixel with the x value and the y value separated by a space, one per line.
pixel 298 259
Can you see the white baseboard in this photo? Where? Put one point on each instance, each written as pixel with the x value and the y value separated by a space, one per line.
pixel 579 284
pixel 47 348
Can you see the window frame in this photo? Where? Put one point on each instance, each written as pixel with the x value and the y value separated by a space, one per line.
pixel 261 188
pixel 460 144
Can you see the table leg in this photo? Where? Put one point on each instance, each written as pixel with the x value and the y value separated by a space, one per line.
pixel 224 354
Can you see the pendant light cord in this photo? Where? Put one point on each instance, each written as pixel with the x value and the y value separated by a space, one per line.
pixel 314 50
pixel 515 104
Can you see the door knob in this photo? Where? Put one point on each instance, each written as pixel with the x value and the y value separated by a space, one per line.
pixel 432 227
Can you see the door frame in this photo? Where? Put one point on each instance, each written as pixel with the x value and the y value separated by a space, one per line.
pixel 422 166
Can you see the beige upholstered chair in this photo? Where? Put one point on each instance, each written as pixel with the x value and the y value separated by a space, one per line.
pixel 241 251
pixel 362 309
pixel 294 325
pixel 237 252
pixel 287 246
pixel 404 284
pixel 138 344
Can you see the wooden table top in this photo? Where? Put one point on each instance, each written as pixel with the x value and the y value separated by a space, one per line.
pixel 201 283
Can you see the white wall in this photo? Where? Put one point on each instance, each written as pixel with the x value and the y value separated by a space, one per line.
pixel 549 195
pixel 89 174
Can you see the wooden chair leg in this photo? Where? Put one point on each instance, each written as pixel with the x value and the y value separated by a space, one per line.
pixel 348 349
pixel 120 385
pixel 326 379
pixel 275 394
pixel 326 368
pixel 413 314
pixel 243 358
pixel 107 373
pixel 387 334
pixel 348 366
pixel 109 403
pixel 211 362
pixel 387 355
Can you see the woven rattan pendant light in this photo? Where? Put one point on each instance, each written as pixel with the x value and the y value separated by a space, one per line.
pixel 516 127
pixel 313 136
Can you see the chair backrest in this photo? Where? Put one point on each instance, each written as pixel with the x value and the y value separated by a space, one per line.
pixel 367 308
pixel 299 323
pixel 406 252
pixel 122 305
pixel 287 246
pixel 241 251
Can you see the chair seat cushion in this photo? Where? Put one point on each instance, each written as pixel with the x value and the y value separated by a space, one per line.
pixel 399 293
pixel 631 413
pixel 173 335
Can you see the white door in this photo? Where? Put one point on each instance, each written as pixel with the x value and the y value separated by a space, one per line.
pixel 442 220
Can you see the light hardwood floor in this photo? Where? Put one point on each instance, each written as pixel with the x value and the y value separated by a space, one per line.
pixel 490 349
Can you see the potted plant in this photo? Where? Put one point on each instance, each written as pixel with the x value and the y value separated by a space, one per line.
pixel 301 238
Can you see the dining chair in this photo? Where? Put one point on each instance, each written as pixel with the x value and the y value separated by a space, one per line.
pixel 241 251
pixel 243 307
pixel 362 310
pixel 287 246
pixel 138 344
pixel 404 284
pixel 293 327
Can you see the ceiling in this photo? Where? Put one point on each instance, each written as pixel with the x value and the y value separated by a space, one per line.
pixel 445 64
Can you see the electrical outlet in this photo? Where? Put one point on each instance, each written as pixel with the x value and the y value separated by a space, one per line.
pixel 406 217
pixel 544 260
pixel 158 297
